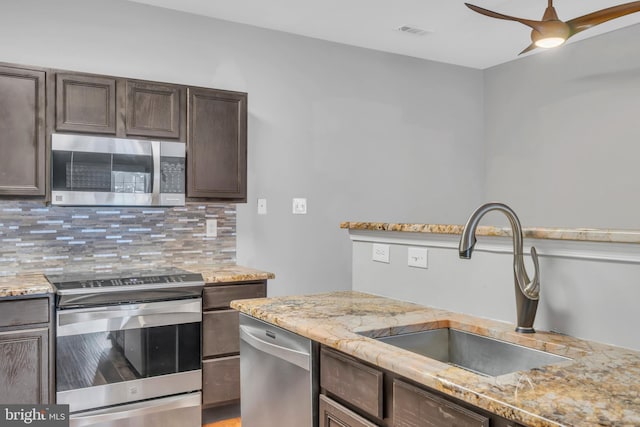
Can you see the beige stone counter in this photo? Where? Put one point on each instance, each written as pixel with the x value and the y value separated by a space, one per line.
pixel 228 273
pixel 575 234
pixel 33 284
pixel 24 284
pixel 599 386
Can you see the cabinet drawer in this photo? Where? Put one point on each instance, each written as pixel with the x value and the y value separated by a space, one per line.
pixel 220 333
pixel 24 312
pixel 220 296
pixel 413 407
pixel 332 414
pixel 352 381
pixel 220 380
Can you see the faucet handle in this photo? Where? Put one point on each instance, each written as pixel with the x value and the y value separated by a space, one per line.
pixel 533 288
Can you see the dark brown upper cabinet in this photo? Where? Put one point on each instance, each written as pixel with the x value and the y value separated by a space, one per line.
pixel 154 110
pixel 22 132
pixel 106 105
pixel 217 144
pixel 85 103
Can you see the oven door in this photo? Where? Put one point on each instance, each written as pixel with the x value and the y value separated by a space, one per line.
pixel 125 353
pixel 182 410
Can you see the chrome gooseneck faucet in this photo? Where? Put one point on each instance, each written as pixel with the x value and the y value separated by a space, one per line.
pixel 527 291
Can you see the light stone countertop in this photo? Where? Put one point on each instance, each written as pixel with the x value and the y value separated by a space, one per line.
pixel 228 273
pixel 600 386
pixel 35 284
pixel 575 234
pixel 24 284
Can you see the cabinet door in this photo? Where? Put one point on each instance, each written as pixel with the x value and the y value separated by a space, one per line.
pixel 352 381
pixel 154 110
pixel 220 333
pixel 24 366
pixel 414 407
pixel 217 144
pixel 22 132
pixel 333 414
pixel 221 380
pixel 85 103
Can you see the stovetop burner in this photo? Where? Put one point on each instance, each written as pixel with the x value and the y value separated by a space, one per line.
pixel 83 289
pixel 68 281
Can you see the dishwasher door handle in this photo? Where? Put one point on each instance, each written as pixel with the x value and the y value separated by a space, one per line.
pixel 298 358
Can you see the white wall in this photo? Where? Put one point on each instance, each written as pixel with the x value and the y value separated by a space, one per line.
pixel 562 148
pixel 587 290
pixel 362 134
pixel 562 133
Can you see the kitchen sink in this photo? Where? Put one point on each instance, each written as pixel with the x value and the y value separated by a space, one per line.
pixel 475 353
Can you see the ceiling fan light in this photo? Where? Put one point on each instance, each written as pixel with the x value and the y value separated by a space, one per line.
pixel 549 42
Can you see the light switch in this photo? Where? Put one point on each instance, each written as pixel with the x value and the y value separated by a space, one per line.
pixel 417 257
pixel 299 206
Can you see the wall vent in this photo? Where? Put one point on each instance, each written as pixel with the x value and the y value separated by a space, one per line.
pixel 412 30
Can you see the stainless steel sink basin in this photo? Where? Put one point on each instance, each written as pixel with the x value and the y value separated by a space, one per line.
pixel 476 353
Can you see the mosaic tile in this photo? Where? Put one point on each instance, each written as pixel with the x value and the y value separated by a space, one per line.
pixel 38 238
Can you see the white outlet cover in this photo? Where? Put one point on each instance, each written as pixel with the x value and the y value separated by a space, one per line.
pixel 299 206
pixel 262 206
pixel 417 257
pixel 212 228
pixel 380 253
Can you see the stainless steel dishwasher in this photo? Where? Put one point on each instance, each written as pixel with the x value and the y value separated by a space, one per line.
pixel 278 376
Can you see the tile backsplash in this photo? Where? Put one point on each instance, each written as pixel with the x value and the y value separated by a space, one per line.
pixel 35 238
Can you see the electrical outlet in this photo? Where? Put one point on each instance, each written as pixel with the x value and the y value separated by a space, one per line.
pixel 380 253
pixel 417 257
pixel 262 206
pixel 300 206
pixel 212 228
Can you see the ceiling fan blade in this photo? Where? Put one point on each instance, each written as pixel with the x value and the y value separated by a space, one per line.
pixel 528 48
pixel 589 20
pixel 536 25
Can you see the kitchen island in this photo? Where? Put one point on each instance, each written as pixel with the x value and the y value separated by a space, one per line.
pixel 599 385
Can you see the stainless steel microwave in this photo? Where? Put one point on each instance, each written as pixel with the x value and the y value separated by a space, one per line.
pixel 98 171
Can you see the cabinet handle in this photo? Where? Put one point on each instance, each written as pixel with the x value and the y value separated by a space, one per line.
pixel 298 358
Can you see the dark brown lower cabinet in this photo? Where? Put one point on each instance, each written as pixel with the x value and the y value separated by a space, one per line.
pixel 355 393
pixel 414 407
pixel 221 380
pixel 25 350
pixel 221 340
pixel 332 414
pixel 24 366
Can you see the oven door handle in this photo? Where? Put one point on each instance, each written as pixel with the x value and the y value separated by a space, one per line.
pixel 137 316
pixel 134 410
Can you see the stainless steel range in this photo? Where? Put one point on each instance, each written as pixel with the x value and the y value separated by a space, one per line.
pixel 128 349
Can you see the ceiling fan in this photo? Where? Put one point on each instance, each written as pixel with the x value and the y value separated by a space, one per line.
pixel 552 32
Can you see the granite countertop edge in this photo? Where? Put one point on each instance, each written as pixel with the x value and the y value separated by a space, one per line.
pixel 36 284
pixel 599 385
pixel 557 233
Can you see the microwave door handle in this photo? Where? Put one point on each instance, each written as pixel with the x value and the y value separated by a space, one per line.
pixel 155 189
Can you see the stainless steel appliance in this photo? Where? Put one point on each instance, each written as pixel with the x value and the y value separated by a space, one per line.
pixel 128 348
pixel 99 171
pixel 278 376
